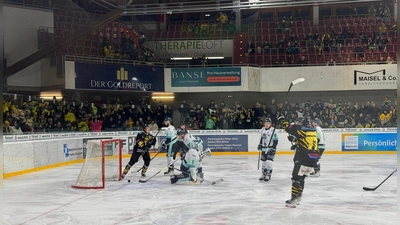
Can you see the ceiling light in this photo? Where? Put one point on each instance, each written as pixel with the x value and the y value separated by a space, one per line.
pixel 162 97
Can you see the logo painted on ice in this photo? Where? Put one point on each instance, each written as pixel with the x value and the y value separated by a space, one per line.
pixel 351 142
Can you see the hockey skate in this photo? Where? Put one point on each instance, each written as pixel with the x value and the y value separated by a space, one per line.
pixel 144 169
pixel 316 173
pixel 170 171
pixel 265 177
pixel 293 202
pixel 200 177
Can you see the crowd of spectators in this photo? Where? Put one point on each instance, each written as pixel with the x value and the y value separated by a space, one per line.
pixel 349 41
pixel 68 116
pixel 223 22
pixel 120 44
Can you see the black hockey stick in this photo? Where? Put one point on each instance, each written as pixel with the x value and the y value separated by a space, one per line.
pixel 294 82
pixel 144 181
pixel 373 189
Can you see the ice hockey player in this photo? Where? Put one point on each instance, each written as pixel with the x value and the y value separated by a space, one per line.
pixel 144 141
pixel 191 168
pixel 306 155
pixel 171 138
pixel 268 148
pixel 321 146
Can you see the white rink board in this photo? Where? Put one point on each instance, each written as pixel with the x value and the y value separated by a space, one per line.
pixel 31 153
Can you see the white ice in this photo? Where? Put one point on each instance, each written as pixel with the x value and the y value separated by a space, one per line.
pixel 336 197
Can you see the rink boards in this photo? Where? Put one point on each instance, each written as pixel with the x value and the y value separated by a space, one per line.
pixel 27 153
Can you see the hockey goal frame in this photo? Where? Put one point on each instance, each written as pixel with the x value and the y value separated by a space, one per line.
pixel 103 161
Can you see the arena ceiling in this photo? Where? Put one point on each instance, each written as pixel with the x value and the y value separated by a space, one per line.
pixel 149 7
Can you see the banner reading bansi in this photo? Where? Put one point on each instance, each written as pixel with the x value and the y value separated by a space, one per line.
pixel 369 142
pixel 206 76
pixel 117 77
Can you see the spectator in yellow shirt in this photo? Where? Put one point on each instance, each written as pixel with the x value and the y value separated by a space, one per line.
pixel 384 118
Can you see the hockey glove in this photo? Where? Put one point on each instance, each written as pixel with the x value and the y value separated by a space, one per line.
pixel 260 147
pixel 291 138
pixel 153 141
pixel 293 147
pixel 182 155
pixel 284 125
pixel 148 145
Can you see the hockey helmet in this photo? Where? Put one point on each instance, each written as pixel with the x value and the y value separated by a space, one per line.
pixel 168 119
pixel 146 126
pixel 317 121
pixel 181 131
pixel 267 120
pixel 307 121
pixel 298 120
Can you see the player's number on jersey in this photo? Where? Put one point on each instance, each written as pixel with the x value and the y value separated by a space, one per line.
pixel 311 142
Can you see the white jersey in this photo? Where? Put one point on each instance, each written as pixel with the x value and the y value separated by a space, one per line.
pixel 192 158
pixel 320 135
pixel 266 135
pixel 170 132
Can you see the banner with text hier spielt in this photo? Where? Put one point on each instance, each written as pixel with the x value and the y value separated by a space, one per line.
pixel 369 142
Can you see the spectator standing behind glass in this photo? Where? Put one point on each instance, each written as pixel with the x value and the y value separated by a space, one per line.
pixel 96 124
pixel 249 120
pixel 384 118
pixel 184 111
pixel 204 61
pixel 153 126
pixel 7 128
pixel 389 60
pixel 274 109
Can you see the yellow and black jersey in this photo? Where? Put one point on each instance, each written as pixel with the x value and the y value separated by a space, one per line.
pixel 306 143
pixel 143 139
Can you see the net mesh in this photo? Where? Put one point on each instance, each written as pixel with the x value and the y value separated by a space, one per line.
pixel 102 163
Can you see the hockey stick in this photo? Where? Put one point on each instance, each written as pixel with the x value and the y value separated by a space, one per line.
pixel 373 189
pixel 294 82
pixel 144 181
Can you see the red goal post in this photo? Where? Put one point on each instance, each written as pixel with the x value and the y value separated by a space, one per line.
pixel 103 162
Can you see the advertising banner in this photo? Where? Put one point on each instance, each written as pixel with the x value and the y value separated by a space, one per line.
pixel 225 143
pixel 117 77
pixel 369 142
pixel 206 76
pixel 193 48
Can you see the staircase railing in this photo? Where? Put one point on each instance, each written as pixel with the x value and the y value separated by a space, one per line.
pixel 154 45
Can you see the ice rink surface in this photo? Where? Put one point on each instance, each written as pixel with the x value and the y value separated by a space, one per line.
pixel 336 197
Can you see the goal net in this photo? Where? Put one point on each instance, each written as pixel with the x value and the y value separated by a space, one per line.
pixel 103 162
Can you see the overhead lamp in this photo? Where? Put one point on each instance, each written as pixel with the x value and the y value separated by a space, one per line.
pixel 181 58
pixel 163 97
pixel 51 97
pixel 216 57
